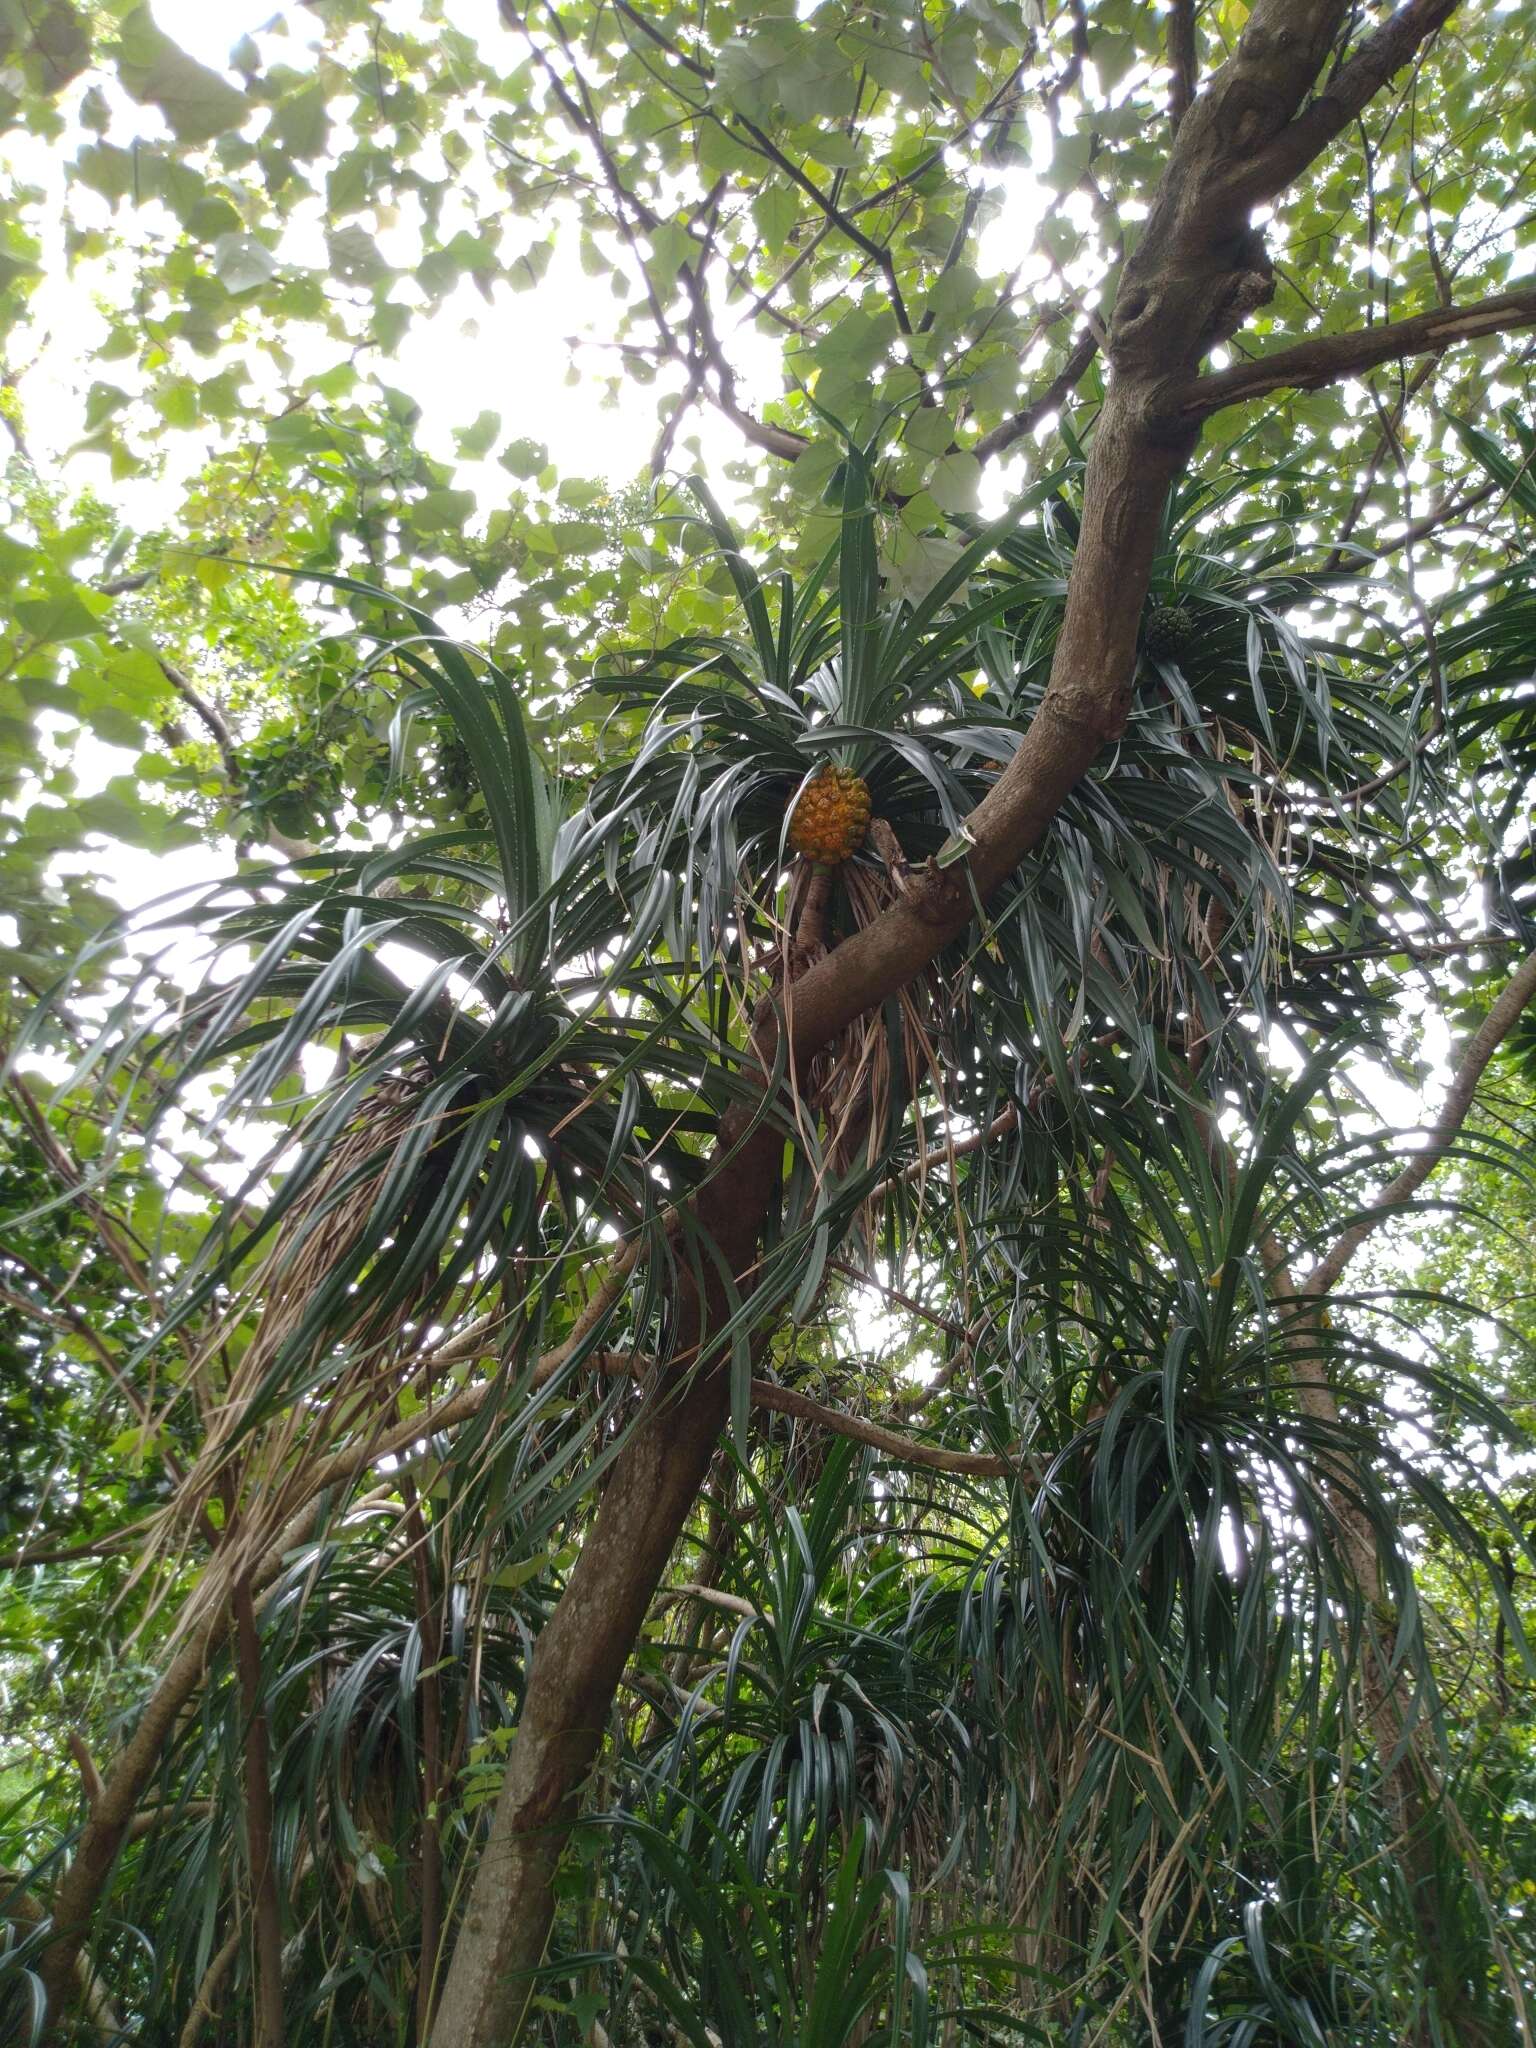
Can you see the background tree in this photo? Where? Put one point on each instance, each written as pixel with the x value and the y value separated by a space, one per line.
pixel 875 1325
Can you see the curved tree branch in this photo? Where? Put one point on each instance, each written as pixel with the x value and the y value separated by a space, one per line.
pixel 904 1450
pixel 1330 357
pixel 1501 1019
pixel 1189 283
pixel 711 1596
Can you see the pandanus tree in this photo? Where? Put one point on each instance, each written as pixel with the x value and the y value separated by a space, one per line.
pixel 767 1441
pixel 1153 1595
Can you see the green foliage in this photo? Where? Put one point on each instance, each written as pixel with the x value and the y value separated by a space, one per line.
pixel 1047 1716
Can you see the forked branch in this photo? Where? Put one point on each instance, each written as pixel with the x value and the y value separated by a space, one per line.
pixel 1347 93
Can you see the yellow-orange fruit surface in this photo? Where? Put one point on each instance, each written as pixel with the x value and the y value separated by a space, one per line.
pixel 832 816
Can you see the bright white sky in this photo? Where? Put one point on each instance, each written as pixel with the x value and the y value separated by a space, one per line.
pixel 512 359
pixel 455 365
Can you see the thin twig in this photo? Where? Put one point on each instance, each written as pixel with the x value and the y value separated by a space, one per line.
pixel 1051 399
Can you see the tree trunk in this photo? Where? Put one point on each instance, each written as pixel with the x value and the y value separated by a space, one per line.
pixel 260 1848
pixel 580 1656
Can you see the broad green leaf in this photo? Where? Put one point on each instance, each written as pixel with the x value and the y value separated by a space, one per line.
pixel 195 101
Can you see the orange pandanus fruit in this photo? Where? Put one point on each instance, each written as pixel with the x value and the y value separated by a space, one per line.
pixel 832 817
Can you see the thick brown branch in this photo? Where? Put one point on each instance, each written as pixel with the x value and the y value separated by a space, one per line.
pixel 904 1450
pixel 1346 94
pixel 1329 357
pixel 1501 1019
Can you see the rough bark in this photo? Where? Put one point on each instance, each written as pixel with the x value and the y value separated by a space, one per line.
pixel 1196 274
pixel 585 1645
pixel 1328 357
